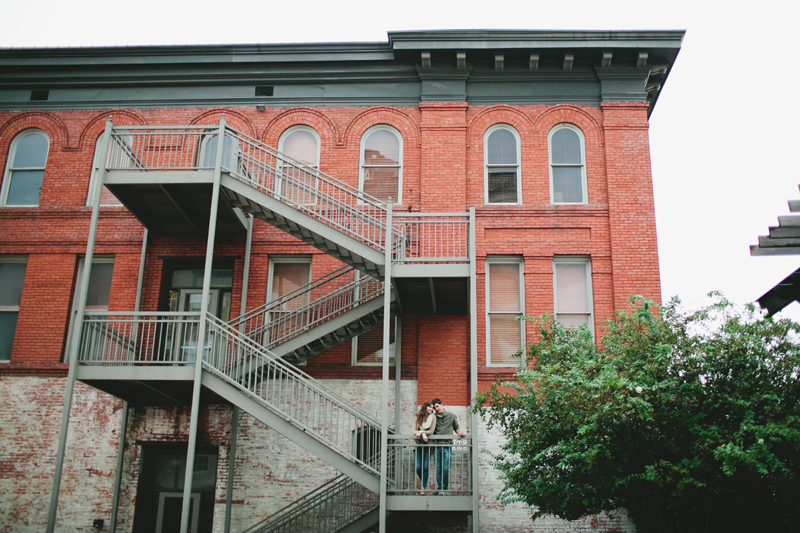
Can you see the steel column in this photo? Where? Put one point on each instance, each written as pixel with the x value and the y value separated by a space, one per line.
pixel 75 340
pixel 398 371
pixel 473 366
pixel 231 465
pixel 388 242
pixel 201 330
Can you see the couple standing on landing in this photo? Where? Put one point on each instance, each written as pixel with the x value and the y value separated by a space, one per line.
pixel 433 419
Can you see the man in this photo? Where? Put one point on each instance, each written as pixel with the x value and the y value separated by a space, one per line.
pixel 446 424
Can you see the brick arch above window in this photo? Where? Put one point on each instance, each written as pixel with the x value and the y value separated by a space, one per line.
pixel 301 116
pixel 233 119
pixel 95 127
pixel 51 125
pixel 569 114
pixel 406 126
pixel 500 114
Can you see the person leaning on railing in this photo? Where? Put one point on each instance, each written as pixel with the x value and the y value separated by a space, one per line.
pixel 424 425
pixel 446 424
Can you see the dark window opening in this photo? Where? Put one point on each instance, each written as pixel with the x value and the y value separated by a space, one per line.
pixel 39 95
pixel 264 90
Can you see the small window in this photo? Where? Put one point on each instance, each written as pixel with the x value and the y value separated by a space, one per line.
pixel 299 182
pixel 368 347
pixel 567 165
pixel 287 274
pixel 99 293
pixel 12 277
pixel 505 298
pixel 25 169
pixel 381 173
pixel 207 158
pixel 501 157
pixel 572 286
pixel 106 197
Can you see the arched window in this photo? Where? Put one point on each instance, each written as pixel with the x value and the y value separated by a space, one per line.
pixel 502 183
pixel 567 165
pixel 381 173
pixel 27 158
pixel 299 185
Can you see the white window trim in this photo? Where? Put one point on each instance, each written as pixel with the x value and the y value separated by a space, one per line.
pixel 583 260
pixel 584 186
pixel 486 164
pixel 354 346
pixel 361 162
pixel 284 135
pixel 96 159
pixel 12 155
pixel 12 308
pixel 499 259
pixel 286 259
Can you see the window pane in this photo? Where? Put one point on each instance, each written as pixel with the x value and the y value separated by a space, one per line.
pixel 572 289
pixel 31 151
pixel 8 325
pixel 506 338
pixel 208 153
pixel 369 346
pixel 567 185
pixel 573 321
pixel 25 187
pixel 565 148
pixel 302 146
pixel 188 278
pixel 99 286
pixel 382 147
pixel 502 185
pixel 502 148
pixel 504 287
pixel 382 183
pixel 12 276
pixel 287 277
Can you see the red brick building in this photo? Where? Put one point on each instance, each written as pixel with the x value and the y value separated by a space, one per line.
pixel 488 174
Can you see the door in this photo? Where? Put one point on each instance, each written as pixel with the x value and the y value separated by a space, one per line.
pixel 190 301
pixel 169 512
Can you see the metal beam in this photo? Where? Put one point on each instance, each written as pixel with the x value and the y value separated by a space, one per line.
pixel 387 320
pixel 473 368
pixel 123 430
pixel 231 467
pixel 75 340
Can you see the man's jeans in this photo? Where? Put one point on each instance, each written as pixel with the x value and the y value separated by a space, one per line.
pixel 442 458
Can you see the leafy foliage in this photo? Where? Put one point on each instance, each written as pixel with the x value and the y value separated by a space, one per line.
pixel 689 420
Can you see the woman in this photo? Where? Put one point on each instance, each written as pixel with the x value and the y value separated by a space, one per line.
pixel 424 424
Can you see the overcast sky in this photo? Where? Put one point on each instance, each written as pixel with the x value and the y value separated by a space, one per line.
pixel 722 135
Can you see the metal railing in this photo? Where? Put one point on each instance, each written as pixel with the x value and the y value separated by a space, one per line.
pixel 326 509
pixel 411 457
pixel 432 237
pixel 109 338
pixel 309 306
pixel 292 394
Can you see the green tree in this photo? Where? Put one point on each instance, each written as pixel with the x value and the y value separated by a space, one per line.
pixel 689 420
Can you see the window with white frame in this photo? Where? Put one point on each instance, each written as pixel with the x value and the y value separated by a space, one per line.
pixel 299 182
pixel 207 157
pixel 381 172
pixel 567 165
pixel 501 150
pixel 27 157
pixel 106 196
pixel 286 275
pixel 367 348
pixel 99 293
pixel 572 287
pixel 12 276
pixel 505 297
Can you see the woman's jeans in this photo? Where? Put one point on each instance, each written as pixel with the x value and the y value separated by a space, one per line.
pixel 422 458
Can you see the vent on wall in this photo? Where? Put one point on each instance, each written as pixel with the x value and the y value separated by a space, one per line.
pixel 40 95
pixel 264 90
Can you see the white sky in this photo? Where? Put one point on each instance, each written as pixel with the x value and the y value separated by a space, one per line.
pixel 722 135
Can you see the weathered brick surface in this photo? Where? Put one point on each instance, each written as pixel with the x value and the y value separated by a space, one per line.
pixel 443 170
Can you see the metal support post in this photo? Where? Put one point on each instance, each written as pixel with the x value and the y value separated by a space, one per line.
pixel 123 425
pixel 75 340
pixel 398 377
pixel 201 330
pixel 473 366
pixel 388 242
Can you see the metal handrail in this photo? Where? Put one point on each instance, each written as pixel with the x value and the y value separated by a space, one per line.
pixel 307 307
pixel 292 394
pixel 326 509
pixel 432 237
pixel 408 454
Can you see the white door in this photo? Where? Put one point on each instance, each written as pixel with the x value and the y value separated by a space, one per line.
pixel 170 506
pixel 190 301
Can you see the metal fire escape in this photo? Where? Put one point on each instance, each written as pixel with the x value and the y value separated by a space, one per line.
pixel 176 182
